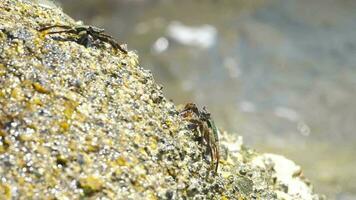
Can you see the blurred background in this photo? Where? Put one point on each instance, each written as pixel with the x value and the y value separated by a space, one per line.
pixel 281 73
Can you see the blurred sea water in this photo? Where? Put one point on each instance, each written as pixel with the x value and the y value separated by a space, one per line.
pixel 281 73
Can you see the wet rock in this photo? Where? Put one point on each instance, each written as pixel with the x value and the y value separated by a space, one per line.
pixel 81 121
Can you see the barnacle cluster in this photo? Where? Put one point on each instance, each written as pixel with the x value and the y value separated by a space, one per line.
pixel 87 122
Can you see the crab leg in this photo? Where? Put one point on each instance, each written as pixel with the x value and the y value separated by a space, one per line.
pixel 110 40
pixel 55 26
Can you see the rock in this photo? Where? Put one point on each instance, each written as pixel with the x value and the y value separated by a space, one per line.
pixel 288 176
pixel 81 119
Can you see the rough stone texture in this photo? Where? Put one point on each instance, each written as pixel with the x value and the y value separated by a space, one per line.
pixel 89 122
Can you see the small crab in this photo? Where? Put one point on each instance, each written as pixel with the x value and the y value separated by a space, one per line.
pixel 209 134
pixel 87 35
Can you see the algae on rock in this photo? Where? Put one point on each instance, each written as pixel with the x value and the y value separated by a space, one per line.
pixel 80 121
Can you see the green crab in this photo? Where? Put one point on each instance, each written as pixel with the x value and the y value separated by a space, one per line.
pixel 209 135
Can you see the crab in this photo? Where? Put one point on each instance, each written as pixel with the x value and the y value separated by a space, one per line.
pixel 87 35
pixel 209 135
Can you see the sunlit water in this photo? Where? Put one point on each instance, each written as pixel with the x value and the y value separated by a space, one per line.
pixel 280 73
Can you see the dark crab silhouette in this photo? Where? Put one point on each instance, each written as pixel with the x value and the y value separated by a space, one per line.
pixel 87 35
pixel 209 135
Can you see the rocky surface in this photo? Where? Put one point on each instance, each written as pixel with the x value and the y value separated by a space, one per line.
pixel 84 120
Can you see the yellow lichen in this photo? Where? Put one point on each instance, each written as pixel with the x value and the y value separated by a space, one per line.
pixel 169 123
pixel 2 69
pixel 41 89
pixel 20 49
pixel 69 108
pixel 64 126
pixel 136 117
pixel 2 94
pixel 91 184
pixel 91 147
pixel 153 144
pixel 151 195
pixel 142 151
pixel 37 101
pixel 26 137
pixel 224 198
pixel 121 161
pixel 17 94
pixel 5 191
